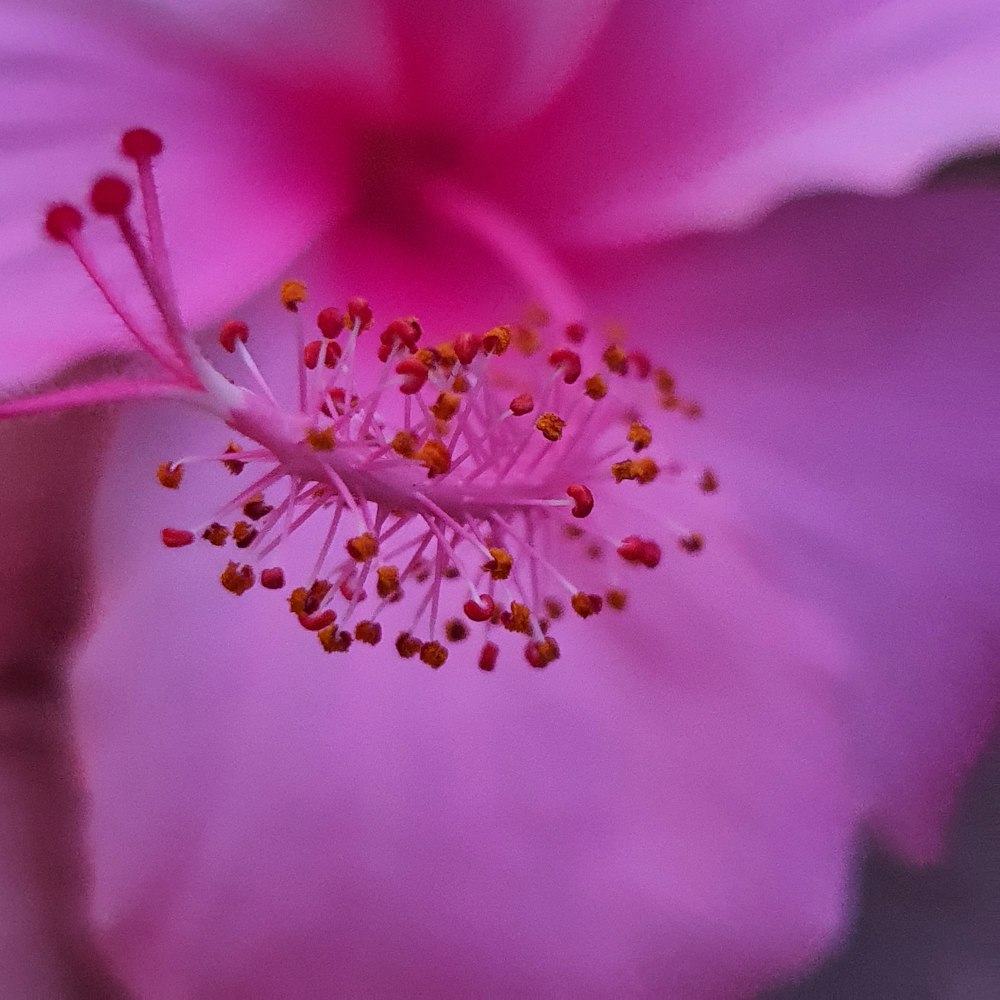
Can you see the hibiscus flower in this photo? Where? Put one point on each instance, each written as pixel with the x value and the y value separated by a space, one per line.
pixel 672 807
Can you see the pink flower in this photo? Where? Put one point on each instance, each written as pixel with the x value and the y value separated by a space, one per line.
pixel 671 809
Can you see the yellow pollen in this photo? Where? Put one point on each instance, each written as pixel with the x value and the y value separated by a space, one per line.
pixel 170 475
pixel 237 579
pixel 293 294
pixel 216 533
pixel 551 426
pixel 446 355
pixel 519 619
pixel 595 387
pixel 243 533
pixel 427 357
pixel 405 444
pixel 363 547
pixel 500 565
pixel 435 457
pixel 388 581
pixel 646 470
pixel 616 359
pixel 446 406
pixel 497 340
pixel 334 640
pixel 624 470
pixel 639 436
pixel 321 440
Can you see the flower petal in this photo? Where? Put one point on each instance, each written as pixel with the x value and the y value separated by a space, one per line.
pixel 362 826
pixel 687 116
pixel 846 353
pixel 72 83
pixel 437 65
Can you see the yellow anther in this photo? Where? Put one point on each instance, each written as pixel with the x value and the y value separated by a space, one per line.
pixel 216 534
pixel 321 440
pixel 405 444
pixel 709 482
pixel 616 359
pixel 368 632
pixel 427 357
pixel 363 547
pixel 388 581
pixel 293 294
pixel 639 436
pixel 616 599
pixel 170 475
pixel 518 619
pixel 433 654
pixel 447 357
pixel 499 566
pixel 551 426
pixel 334 640
pixel 624 470
pixel 646 470
pixel 497 340
pixel 446 406
pixel 526 340
pixel 595 387
pixel 237 579
pixel 435 457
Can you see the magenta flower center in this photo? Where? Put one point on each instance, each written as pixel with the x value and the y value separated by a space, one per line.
pixel 482 477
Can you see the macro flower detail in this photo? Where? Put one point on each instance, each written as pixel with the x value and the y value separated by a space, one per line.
pixel 481 476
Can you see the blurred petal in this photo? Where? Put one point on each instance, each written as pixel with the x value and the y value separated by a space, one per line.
pixel 444 64
pixel 846 352
pixel 691 115
pixel 73 81
pixel 360 826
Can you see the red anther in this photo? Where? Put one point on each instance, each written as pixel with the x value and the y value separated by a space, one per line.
pixel 583 500
pixel 569 361
pixel 141 144
pixel 488 656
pixel 414 375
pixel 318 621
pixel 110 195
pixel 575 333
pixel 273 578
pixel 634 549
pixel 175 538
pixel 231 331
pixel 482 611
pixel 467 346
pixel 520 405
pixel 63 221
pixel 641 365
pixel 330 322
pixel 402 331
pixel 347 591
pixel 534 656
pixel 358 311
pixel 328 350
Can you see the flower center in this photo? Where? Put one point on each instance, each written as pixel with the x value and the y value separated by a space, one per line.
pixel 480 476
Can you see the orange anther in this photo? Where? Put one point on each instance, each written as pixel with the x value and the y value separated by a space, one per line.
pixel 639 436
pixel 216 534
pixel 433 654
pixel 293 294
pixel 368 632
pixel 334 640
pixel 234 466
pixel 446 405
pixel 500 565
pixel 170 475
pixel 692 543
pixel 616 599
pixel 404 444
pixel 455 630
pixel 586 605
pixel 388 581
pixel 709 482
pixel 497 340
pixel 237 579
pixel 243 534
pixel 435 457
pixel 616 359
pixel 407 645
pixel 321 440
pixel 551 426
pixel 595 387
pixel 518 619
pixel 363 547
pixel 541 654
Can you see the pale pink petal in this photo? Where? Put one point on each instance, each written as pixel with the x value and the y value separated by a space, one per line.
pixel 269 819
pixel 73 82
pixel 690 115
pixel 846 353
pixel 444 65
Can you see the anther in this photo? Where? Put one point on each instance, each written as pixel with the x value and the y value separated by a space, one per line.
pixel 216 534
pixel 414 375
pixel 446 405
pixel 433 654
pixel 569 362
pixel 481 611
pixel 467 346
pixel 244 534
pixel 255 508
pixel 455 630
pixel 407 645
pixel 639 436
pixel 360 312
pixel 293 294
pixel 63 222
pixel 692 543
pixel 709 482
pixel 388 581
pixel 318 621
pixel 368 632
pixel 641 365
pixel 551 426
pixel 272 578
pixel 435 457
pixel 334 640
pixel 110 195
pixel 237 579
pixel 141 144
pixel 330 322
pixel 616 599
pixel 404 444
pixel 575 333
pixel 586 605
pixel 517 619
pixel 595 387
pixel 522 405
pixel 176 538
pixel 363 547
pixel 583 500
pixel 634 549
pixel 170 475
pixel 497 340
pixel 231 331
pixel 488 656
pixel 499 565
pixel 321 439
pixel 329 350
pixel 235 466
pixel 541 654
pixel 616 360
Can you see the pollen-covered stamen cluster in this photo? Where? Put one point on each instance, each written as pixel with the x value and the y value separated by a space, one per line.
pixel 479 478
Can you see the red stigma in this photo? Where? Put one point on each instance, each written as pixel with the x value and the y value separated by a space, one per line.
pixel 482 611
pixel 231 331
pixel 62 221
pixel 634 549
pixel 570 363
pixel 488 656
pixel 110 195
pixel 467 347
pixel 272 578
pixel 583 500
pixel 414 374
pixel 141 144
pixel 330 322
pixel 360 312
